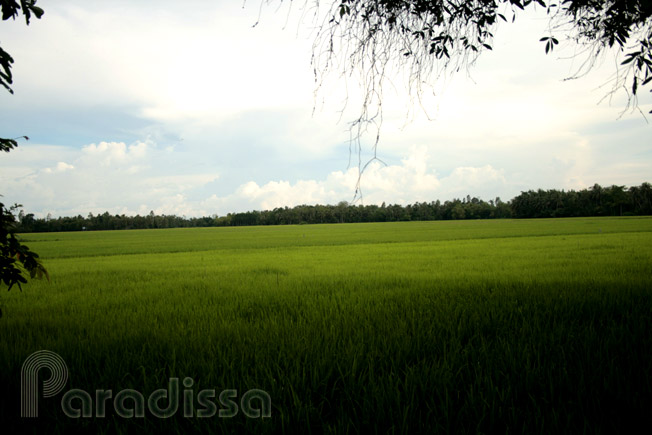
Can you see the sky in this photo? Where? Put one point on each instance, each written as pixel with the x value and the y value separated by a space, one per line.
pixel 187 108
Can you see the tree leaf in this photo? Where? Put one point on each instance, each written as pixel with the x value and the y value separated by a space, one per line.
pixel 626 61
pixel 37 11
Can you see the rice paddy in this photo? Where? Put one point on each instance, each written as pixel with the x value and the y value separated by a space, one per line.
pixel 510 326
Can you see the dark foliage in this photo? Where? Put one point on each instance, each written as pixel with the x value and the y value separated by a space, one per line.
pixel 11 9
pixel 596 201
pixel 15 258
pixel 467 208
pixel 427 36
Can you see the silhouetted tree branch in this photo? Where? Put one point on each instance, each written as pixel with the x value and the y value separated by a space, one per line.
pixel 426 39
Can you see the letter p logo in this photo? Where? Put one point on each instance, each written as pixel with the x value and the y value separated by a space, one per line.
pixel 29 380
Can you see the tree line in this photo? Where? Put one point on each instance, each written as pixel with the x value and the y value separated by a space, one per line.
pixel 594 201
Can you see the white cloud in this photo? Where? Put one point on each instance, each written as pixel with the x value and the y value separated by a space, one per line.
pixel 108 153
pixel 109 176
pixel 63 166
pixel 410 181
pixel 176 183
pixel 281 193
pixel 176 62
pixel 60 167
pixel 468 179
pixel 103 177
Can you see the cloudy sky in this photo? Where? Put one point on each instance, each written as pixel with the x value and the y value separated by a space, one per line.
pixel 186 108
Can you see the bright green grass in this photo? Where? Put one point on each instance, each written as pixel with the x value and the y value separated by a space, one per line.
pixel 98 243
pixel 537 326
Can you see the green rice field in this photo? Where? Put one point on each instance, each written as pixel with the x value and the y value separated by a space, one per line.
pixel 489 326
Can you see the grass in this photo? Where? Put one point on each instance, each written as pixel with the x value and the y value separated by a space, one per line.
pixel 537 326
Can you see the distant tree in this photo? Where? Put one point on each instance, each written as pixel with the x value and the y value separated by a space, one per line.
pixel 503 209
pixel 458 212
pixel 595 201
pixel 642 198
pixel 616 200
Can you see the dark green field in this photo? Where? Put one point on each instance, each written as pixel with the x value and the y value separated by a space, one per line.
pixel 501 326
